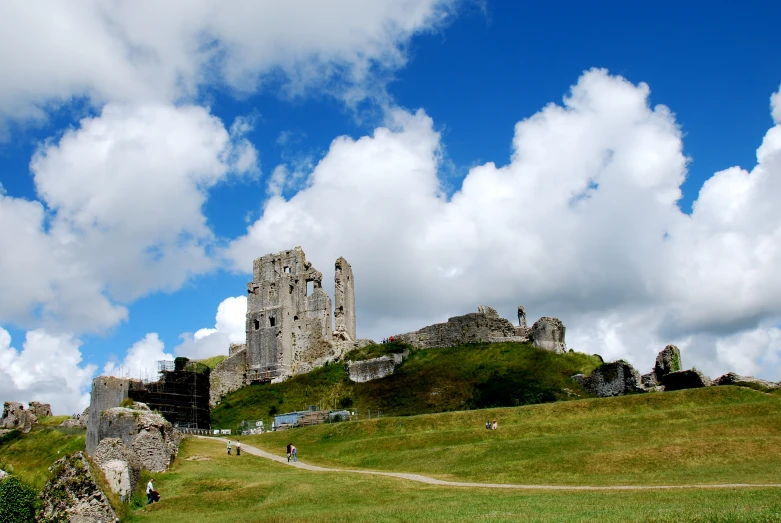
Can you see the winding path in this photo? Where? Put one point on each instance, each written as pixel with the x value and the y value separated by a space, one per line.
pixel 431 481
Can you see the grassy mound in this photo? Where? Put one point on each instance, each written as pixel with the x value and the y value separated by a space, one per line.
pixel 434 380
pixel 213 361
pixel 711 435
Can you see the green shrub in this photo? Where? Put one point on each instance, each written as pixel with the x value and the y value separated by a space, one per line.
pixel 10 436
pixel 17 501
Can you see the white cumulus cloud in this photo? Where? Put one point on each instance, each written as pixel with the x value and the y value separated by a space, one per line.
pixel 120 214
pixel 583 224
pixel 48 369
pixel 145 51
pixel 229 328
pixel 141 359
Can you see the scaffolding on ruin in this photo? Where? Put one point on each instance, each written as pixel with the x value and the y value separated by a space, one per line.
pixel 180 396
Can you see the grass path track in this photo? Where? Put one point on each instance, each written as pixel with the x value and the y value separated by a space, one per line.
pixel 431 481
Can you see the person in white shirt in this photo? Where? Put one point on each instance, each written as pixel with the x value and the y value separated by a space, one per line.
pixel 150 489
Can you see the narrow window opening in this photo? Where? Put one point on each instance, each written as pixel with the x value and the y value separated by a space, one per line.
pixel 295 318
pixel 272 321
pixel 310 287
pixel 292 288
pixel 287 270
pixel 257 324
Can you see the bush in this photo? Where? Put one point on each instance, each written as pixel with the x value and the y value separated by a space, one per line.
pixel 17 501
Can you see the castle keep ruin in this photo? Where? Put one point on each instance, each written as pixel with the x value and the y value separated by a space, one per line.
pixel 289 324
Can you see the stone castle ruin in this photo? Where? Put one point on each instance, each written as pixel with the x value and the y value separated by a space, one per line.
pixel 289 324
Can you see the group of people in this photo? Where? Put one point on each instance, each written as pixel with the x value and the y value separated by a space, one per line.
pixel 491 426
pixel 238 448
pixel 291 452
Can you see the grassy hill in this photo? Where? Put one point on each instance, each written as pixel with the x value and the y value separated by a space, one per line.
pixel 29 456
pixel 711 435
pixel 471 376
pixel 703 436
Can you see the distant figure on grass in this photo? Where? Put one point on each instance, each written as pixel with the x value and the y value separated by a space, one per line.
pixel 238 448
pixel 229 447
pixel 151 494
pixel 293 451
pixel 494 426
pixel 488 425
pixel 289 451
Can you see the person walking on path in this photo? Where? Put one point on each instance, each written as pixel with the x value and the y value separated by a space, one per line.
pixel 289 451
pixel 150 492
pixel 229 447
pixel 238 448
pixel 293 450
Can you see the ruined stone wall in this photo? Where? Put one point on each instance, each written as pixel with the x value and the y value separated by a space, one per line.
pixel 286 324
pixel 344 298
pixel 484 326
pixel 228 376
pixel 107 392
pixel 281 316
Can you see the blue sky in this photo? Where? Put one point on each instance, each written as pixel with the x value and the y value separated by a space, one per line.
pixel 474 70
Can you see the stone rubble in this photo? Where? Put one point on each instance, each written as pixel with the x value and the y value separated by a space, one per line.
pixel 611 379
pixel 72 494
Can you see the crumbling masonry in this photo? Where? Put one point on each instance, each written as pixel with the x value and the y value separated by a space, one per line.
pixel 289 325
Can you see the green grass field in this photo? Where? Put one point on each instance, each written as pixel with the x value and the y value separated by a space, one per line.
pixel 207 485
pixel 475 376
pixel 29 456
pixel 712 435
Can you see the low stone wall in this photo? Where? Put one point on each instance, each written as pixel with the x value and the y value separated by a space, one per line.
pixel 476 327
pixel 229 375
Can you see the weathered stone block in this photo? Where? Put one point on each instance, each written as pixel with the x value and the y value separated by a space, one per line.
pixel 120 465
pixel 41 410
pixel 611 379
pixel 667 361
pixel 549 333
pixel 374 368
pixel 685 379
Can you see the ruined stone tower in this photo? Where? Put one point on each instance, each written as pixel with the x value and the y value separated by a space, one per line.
pixel 289 324
pixel 344 295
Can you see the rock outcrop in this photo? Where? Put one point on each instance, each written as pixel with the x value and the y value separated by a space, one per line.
pixel 611 379
pixel 374 368
pixel 15 417
pixel 548 333
pixel 73 495
pixel 148 434
pixel 120 465
pixel 41 410
pixel 685 379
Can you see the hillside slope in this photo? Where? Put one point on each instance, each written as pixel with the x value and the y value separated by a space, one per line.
pixel 434 380
pixel 713 435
